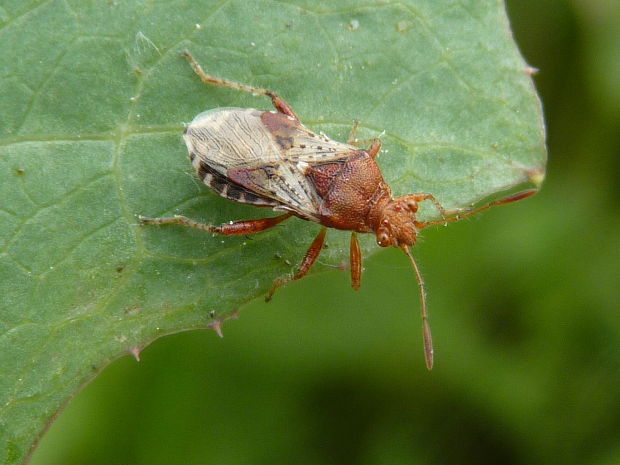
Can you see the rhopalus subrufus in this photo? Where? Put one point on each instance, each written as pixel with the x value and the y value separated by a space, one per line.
pixel 270 159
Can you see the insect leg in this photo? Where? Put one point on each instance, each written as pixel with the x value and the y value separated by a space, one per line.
pixel 281 105
pixel 311 255
pixel 356 262
pixel 278 102
pixel 452 217
pixel 236 228
pixel 374 149
pixel 353 136
pixel 421 197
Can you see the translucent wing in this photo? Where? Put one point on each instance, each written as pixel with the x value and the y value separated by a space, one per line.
pixel 265 153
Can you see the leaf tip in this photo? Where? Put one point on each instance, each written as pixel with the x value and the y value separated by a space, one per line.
pixel 537 176
pixel 135 351
pixel 217 327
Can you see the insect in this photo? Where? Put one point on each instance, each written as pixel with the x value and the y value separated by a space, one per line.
pixel 270 159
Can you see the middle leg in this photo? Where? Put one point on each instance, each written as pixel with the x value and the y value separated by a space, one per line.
pixel 356 262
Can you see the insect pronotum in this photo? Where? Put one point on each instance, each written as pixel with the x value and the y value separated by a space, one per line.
pixel 270 159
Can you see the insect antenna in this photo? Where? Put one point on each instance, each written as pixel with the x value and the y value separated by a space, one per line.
pixel 473 211
pixel 426 327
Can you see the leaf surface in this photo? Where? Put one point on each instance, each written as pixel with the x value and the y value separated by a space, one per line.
pixel 93 100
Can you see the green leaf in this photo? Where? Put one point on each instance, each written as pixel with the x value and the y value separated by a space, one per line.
pixel 93 99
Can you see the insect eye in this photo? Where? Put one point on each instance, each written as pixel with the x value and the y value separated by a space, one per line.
pixel 383 239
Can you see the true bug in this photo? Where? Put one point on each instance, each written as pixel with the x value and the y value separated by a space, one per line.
pixel 270 159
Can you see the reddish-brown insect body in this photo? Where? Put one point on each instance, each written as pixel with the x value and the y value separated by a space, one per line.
pixel 270 159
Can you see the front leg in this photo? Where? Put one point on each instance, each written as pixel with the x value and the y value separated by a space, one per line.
pixel 458 215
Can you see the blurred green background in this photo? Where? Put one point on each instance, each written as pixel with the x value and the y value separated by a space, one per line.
pixel 524 308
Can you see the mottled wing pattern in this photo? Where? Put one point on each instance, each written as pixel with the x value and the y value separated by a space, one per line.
pixel 261 157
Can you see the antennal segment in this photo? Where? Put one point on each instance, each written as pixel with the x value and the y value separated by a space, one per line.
pixel 426 327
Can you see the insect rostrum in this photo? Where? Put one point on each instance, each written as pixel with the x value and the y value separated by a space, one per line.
pixel 270 159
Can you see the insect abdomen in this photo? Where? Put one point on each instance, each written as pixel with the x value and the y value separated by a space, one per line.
pixel 229 189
